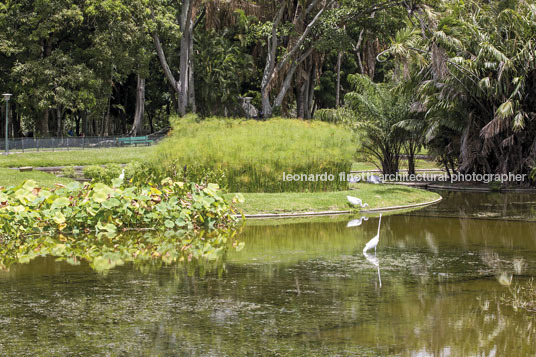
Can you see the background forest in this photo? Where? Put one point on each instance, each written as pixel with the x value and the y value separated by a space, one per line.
pixel 108 67
pixel 458 77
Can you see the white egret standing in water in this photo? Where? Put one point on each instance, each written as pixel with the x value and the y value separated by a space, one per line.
pixel 122 176
pixel 374 241
pixel 356 201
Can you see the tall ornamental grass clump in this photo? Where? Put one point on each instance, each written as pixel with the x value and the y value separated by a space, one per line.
pixel 251 156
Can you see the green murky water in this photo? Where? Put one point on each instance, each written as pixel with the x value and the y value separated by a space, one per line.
pixel 301 288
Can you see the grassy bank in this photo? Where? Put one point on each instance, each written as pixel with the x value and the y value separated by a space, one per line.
pixel 241 156
pixel 377 196
pixel 75 158
pixel 9 177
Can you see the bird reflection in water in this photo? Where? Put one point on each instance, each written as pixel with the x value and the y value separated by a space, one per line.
pixel 374 261
pixel 356 222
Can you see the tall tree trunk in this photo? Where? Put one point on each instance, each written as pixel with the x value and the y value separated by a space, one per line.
pixel 309 89
pixel 53 123
pixel 41 127
pixel 151 127
pixel 84 125
pixel 17 130
pixel 370 51
pixel 301 100
pixel 106 119
pixel 191 82
pixel 310 97
pixel 357 51
pixel 338 89
pixel 444 161
pixel 140 107
pixel 184 87
pixel 288 79
pixel 411 158
pixel 123 128
pixel 59 122
pixel 185 24
pixel 270 65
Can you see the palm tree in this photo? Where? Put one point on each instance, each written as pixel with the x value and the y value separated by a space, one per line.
pixel 476 66
pixel 379 109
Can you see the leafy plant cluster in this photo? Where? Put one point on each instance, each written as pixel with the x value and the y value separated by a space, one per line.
pixel 68 171
pixel 194 220
pixel 337 116
pixel 381 112
pixel 251 156
pixel 104 174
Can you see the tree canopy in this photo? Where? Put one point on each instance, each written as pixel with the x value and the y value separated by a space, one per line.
pixel 464 70
pixel 115 67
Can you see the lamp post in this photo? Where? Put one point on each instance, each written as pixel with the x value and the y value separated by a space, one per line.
pixel 6 98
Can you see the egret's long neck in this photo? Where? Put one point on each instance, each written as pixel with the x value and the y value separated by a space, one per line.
pixel 379 223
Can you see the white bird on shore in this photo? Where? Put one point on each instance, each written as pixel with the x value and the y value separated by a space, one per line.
pixel 374 241
pixel 374 179
pixel 356 201
pixel 122 176
pixel 353 179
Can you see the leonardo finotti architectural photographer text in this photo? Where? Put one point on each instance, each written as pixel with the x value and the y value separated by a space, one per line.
pixel 405 177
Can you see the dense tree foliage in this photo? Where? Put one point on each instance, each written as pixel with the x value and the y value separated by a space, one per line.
pixel 472 68
pixel 465 70
pixel 115 67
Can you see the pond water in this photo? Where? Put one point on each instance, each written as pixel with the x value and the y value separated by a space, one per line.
pixel 438 285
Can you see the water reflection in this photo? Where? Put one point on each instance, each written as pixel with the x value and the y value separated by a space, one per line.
pixel 374 261
pixel 356 222
pixel 490 206
pixel 297 288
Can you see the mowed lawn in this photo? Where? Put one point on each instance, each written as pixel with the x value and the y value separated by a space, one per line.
pixel 11 177
pixel 122 155
pixel 377 196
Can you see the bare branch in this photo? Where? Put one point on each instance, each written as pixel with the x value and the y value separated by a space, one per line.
pixel 163 62
pixel 286 83
pixel 272 49
pixel 303 37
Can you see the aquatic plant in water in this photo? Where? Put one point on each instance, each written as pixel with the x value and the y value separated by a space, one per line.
pixel 521 296
pixel 90 222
